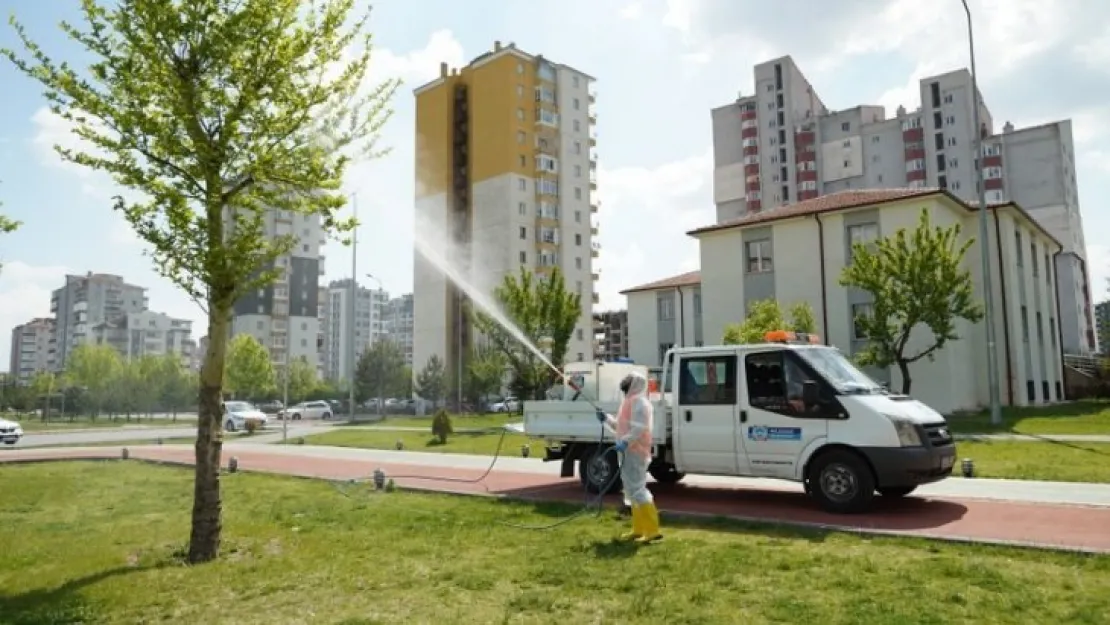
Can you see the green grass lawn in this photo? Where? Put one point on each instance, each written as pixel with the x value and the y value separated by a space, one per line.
pixel 491 420
pixel 298 551
pixel 1081 417
pixel 458 443
pixel 1052 461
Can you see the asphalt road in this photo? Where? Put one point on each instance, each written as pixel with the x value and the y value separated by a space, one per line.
pixel 271 434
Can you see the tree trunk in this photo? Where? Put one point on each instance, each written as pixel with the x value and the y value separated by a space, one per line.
pixel 904 368
pixel 204 540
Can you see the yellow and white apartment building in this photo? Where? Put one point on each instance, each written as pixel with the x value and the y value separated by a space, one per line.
pixel 506 170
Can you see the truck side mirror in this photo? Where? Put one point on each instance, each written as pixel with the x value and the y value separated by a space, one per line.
pixel 810 395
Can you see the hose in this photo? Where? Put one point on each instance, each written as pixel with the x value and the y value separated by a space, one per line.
pixel 588 504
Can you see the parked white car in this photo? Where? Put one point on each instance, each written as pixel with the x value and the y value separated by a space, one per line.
pixel 238 413
pixel 10 432
pixel 308 410
pixel 509 404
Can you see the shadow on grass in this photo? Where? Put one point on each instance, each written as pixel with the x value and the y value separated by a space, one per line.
pixel 65 603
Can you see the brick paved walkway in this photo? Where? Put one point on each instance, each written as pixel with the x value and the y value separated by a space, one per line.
pixel 1074 527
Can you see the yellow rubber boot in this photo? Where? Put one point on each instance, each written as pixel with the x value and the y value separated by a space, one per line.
pixel 637 524
pixel 650 520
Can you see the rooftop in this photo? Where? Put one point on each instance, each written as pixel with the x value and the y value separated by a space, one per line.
pixel 690 278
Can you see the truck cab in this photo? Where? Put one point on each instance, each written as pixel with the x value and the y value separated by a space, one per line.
pixel 789 408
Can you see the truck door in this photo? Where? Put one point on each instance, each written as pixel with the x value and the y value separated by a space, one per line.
pixel 705 416
pixel 776 426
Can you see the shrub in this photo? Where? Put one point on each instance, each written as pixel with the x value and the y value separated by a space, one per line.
pixel 441 426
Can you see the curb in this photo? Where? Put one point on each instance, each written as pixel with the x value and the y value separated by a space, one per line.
pixel 664 512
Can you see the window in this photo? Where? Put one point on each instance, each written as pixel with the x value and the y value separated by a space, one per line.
pixel 524 258
pixel 520 91
pixel 523 162
pixel 520 68
pixel 666 308
pixel 522 208
pixel 577 217
pixel 578 193
pixel 577 126
pixel 862 233
pixel 1040 330
pixel 578 239
pixel 577 147
pixel 522 184
pixel 578 334
pixel 1024 324
pixel 875 139
pixel 663 348
pixel 523 232
pixel 697 304
pixel 707 381
pixel 577 171
pixel 1033 261
pixel 520 114
pixel 774 382
pixel 577 263
pixel 576 107
pixel 859 333
pixel 759 256
pixel 1018 250
pixel 846 126
pixel 520 136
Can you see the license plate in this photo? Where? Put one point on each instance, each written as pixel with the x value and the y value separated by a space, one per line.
pixel 947 462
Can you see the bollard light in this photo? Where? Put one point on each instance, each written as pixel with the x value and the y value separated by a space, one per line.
pixel 159 440
pixel 125 453
pixel 233 464
pixel 400 444
pixel 379 479
pixel 525 450
pixel 968 466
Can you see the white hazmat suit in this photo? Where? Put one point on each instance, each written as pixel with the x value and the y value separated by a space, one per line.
pixel 632 429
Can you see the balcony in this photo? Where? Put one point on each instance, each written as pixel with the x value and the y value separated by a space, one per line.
pixel 593 231
pixel 595 249
pixel 592 98
pixel 595 207
pixel 595 277
pixel 596 298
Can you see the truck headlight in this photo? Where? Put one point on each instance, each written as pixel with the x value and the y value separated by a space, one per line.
pixel 908 435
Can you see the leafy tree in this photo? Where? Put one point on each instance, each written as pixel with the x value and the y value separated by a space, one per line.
pixel 7 225
pixel 43 387
pixel 485 373
pixel 249 373
pixel 302 380
pixel 545 313
pixel 381 372
pixel 431 382
pixel 217 111
pixel 130 387
pixel 916 279
pixel 95 368
pixel 765 316
pixel 180 385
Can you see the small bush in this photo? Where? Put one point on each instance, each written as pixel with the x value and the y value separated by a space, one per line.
pixel 441 426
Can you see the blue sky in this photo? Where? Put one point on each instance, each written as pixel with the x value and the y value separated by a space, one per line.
pixel 661 65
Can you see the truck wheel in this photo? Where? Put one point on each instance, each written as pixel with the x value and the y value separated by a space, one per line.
pixel 666 474
pixel 896 491
pixel 595 470
pixel 842 482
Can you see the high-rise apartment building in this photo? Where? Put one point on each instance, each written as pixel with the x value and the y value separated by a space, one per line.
pixel 84 306
pixel 150 333
pixel 1102 327
pixel 397 324
pixel 30 349
pixel 782 145
pixel 285 316
pixel 342 354
pixel 505 175
pixel 611 335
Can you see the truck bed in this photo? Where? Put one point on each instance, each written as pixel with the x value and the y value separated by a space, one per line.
pixel 577 421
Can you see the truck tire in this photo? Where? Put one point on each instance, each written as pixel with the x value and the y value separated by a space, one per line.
pixel 895 492
pixel 842 482
pixel 595 470
pixel 666 473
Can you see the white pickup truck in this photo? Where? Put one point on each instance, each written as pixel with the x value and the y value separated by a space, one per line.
pixel 787 409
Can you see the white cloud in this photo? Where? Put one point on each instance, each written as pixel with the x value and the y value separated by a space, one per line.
pixel 25 294
pixel 1098 266
pixel 644 216
pixel 632 11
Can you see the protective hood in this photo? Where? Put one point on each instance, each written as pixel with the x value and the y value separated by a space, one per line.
pixel 636 384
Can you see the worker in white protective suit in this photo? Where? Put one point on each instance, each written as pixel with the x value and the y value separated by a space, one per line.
pixel 632 429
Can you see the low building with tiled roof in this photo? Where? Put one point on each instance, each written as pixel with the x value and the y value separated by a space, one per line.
pixel 796 253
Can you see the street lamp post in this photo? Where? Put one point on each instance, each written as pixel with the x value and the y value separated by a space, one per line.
pixel 285 400
pixel 351 307
pixel 984 241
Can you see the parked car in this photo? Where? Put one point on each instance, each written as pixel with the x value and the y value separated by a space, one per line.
pixel 10 432
pixel 508 404
pixel 238 413
pixel 308 410
pixel 273 406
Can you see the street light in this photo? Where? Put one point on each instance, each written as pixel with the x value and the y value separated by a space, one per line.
pixel 984 242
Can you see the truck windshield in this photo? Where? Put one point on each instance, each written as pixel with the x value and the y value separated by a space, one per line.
pixel 839 371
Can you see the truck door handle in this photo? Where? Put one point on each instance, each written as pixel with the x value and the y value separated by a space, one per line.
pixel 743 416
pixel 689 415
